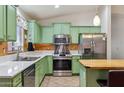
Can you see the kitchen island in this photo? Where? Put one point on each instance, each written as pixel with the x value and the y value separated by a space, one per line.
pixel 91 70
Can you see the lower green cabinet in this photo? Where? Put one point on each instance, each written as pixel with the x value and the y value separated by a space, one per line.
pixel 39 72
pixel 75 65
pixel 42 67
pixel 11 82
pixel 50 65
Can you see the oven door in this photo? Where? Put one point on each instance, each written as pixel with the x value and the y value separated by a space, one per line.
pixel 62 67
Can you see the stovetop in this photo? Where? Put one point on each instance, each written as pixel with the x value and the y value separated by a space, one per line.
pixel 67 55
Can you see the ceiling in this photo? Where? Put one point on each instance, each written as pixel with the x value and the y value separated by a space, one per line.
pixel 39 12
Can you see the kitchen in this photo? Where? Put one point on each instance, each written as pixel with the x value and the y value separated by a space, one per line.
pixel 42 45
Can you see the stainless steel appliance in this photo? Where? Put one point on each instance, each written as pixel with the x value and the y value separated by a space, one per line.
pixel 62 62
pixel 92 45
pixel 29 77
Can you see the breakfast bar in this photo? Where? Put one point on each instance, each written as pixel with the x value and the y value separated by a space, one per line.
pixel 91 70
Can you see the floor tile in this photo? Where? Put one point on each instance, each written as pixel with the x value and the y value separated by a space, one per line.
pixel 51 81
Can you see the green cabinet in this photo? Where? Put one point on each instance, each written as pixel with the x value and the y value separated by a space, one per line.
pixel 89 29
pixel 74 34
pixel 50 65
pixel 11 82
pixel 42 67
pixel 61 28
pixel 39 72
pixel 84 29
pixel 75 64
pixel 11 23
pixel 65 28
pixel 76 30
pixel 46 34
pixel 7 23
pixel 2 23
pixel 34 33
pixel 95 29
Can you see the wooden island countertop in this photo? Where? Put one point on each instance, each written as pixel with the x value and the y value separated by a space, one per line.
pixel 103 64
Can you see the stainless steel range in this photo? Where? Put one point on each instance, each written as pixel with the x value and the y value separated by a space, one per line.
pixel 62 59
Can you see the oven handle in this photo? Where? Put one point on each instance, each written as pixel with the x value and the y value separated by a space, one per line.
pixel 62 58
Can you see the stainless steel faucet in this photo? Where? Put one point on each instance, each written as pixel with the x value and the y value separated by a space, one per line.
pixel 18 51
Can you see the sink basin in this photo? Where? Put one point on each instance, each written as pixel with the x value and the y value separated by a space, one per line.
pixel 27 59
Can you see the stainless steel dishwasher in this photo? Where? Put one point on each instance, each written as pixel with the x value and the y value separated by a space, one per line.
pixel 29 76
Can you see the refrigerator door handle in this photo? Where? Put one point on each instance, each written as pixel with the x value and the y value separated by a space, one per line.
pixel 94 44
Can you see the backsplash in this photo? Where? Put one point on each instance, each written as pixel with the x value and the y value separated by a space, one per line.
pixel 3 48
pixel 51 47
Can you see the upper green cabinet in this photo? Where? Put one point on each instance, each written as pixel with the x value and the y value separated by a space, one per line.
pixel 46 34
pixel 61 28
pixel 74 34
pixel 75 30
pixel 7 23
pixel 2 20
pixel 11 23
pixel 34 33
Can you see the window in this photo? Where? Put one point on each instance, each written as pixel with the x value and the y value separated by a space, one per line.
pixel 12 46
pixel 21 26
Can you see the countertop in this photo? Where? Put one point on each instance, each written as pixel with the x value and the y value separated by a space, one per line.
pixel 10 68
pixel 103 64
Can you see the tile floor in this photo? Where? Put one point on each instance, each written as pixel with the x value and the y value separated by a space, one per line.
pixel 50 81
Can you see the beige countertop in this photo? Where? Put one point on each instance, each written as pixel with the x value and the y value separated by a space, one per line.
pixel 103 64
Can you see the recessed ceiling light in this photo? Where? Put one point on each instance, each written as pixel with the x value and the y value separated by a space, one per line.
pixel 56 6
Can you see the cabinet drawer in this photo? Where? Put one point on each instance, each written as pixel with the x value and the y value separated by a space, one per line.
pixel 17 79
pixel 5 82
pixel 19 85
pixel 38 64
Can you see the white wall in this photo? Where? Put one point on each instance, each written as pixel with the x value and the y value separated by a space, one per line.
pixel 118 36
pixel 78 19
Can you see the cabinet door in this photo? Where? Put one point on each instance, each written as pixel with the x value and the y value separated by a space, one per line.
pixel 35 31
pixel 1 22
pixel 17 80
pixel 38 36
pixel 50 65
pixel 95 29
pixel 84 29
pixel 38 73
pixel 11 23
pixel 74 34
pixel 47 34
pixel 65 28
pixel 75 66
pixel 57 28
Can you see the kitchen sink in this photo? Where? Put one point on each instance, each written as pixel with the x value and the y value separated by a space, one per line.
pixel 27 59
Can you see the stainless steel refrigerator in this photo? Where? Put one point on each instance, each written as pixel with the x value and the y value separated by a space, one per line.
pixel 92 45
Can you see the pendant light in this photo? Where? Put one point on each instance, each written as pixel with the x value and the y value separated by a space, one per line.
pixel 96 20
pixel 56 6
